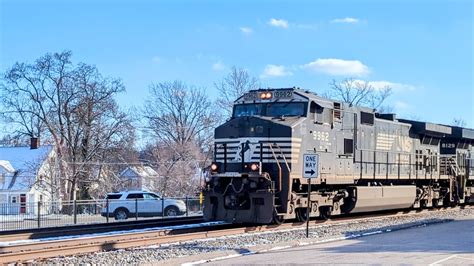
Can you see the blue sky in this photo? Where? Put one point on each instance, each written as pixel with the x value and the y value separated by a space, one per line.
pixel 423 49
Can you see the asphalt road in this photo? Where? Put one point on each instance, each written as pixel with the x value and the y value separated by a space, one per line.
pixel 439 244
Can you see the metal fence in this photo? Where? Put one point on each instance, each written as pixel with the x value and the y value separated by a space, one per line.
pixel 17 216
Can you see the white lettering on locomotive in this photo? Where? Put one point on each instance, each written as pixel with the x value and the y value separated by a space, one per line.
pixel 321 136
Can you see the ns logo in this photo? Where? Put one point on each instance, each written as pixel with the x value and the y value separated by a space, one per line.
pixel 245 150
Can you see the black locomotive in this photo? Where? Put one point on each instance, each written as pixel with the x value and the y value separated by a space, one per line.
pixel 367 161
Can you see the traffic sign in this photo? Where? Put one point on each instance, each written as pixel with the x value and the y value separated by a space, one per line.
pixel 310 165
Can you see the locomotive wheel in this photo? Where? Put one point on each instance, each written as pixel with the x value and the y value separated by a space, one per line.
pixel 301 215
pixel 277 219
pixel 325 212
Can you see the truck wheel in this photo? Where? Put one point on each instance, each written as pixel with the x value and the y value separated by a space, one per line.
pixel 171 211
pixel 121 214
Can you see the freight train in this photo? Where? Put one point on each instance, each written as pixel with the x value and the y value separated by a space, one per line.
pixel 367 161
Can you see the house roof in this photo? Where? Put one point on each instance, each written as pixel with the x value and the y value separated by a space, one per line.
pixel 141 171
pixel 25 163
pixel 6 165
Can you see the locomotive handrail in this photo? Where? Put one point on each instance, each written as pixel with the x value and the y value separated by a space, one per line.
pixel 279 166
pixel 216 148
pixel 398 162
pixel 388 151
pixel 284 158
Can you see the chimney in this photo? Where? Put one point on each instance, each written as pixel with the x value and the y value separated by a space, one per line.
pixel 34 143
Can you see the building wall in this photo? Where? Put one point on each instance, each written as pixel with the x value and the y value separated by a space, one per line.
pixel 41 190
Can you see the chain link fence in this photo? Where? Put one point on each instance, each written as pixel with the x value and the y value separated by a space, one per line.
pixel 28 215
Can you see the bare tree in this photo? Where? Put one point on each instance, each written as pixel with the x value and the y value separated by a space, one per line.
pixel 11 140
pixel 182 119
pixel 236 83
pixel 176 113
pixel 357 92
pixel 72 106
pixel 177 177
pixel 385 109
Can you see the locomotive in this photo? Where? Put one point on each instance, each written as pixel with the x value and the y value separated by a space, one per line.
pixel 368 161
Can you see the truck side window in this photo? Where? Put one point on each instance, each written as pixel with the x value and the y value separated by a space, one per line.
pixel 135 196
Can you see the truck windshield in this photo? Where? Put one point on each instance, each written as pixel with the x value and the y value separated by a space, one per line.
pixel 270 109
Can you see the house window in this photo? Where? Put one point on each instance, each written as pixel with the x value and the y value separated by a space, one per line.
pixel 14 199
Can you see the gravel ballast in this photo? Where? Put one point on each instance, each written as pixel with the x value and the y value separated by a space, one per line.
pixel 250 242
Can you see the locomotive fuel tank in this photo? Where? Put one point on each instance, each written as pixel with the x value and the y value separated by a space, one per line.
pixel 378 198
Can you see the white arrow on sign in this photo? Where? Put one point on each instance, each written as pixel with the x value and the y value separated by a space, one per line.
pixel 310 165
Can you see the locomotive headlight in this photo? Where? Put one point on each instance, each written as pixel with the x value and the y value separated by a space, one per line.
pixel 265 95
pixel 214 167
pixel 254 167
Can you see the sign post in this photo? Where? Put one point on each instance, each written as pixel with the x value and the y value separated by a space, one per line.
pixel 310 171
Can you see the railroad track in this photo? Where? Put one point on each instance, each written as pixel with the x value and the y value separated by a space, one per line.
pixel 68 247
pixel 39 233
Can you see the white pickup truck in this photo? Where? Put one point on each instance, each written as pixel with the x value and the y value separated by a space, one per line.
pixel 125 204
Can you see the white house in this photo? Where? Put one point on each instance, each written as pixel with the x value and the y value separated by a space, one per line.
pixel 139 178
pixel 26 177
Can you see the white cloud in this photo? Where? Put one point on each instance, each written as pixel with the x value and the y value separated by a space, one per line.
pixel 275 71
pixel 345 20
pixel 156 59
pixel 279 23
pixel 395 86
pixel 246 30
pixel 338 67
pixel 218 66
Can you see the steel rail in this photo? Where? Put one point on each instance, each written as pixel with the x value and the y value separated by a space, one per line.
pixel 72 230
pixel 68 247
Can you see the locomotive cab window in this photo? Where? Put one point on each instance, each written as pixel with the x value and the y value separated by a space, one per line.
pixel 317 112
pixel 248 110
pixel 348 146
pixel 285 109
pixel 320 114
pixel 276 109
pixel 366 118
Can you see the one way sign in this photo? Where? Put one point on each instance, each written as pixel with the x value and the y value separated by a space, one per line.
pixel 310 165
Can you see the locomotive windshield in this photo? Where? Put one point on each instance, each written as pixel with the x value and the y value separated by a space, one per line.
pixel 271 109
pixel 248 110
